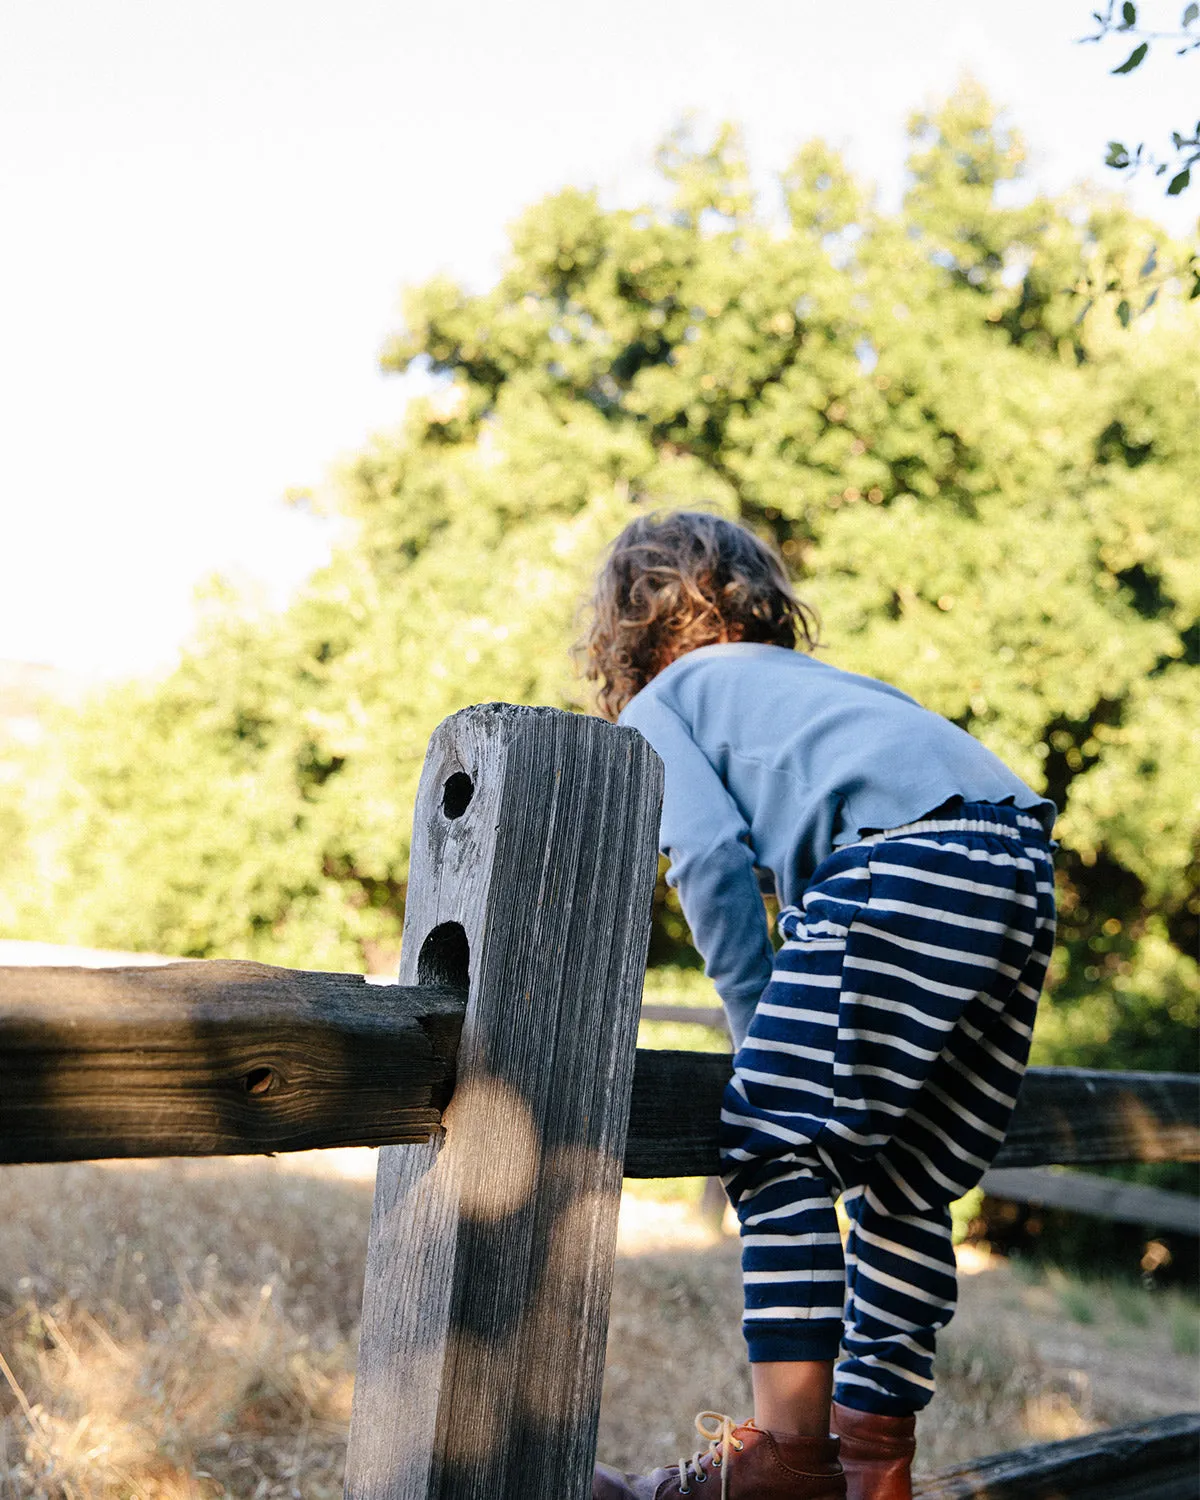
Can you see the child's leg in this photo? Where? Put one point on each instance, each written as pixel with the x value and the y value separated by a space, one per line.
pixel 900 1290
pixel 793 1397
pixel 782 1187
pixel 794 1288
pixel 792 1270
pixel 901 1279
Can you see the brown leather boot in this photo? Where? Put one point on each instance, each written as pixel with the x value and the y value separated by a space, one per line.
pixel 747 1463
pixel 877 1453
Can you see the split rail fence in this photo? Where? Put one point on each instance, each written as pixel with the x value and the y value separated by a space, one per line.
pixel 501 1078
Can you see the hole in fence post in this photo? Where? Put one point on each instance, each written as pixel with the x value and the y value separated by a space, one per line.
pixel 445 957
pixel 457 794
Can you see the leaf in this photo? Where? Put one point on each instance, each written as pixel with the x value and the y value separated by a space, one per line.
pixel 1129 12
pixel 1190 13
pixel 1151 300
pixel 1135 58
pixel 1151 263
pixel 1118 155
pixel 1123 313
pixel 1179 182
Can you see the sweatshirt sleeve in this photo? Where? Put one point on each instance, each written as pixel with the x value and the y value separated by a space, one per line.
pixel 707 842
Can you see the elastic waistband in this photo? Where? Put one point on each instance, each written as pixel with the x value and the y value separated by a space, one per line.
pixel 970 817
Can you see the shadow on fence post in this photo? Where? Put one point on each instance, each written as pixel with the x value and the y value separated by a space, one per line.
pixel 489 1269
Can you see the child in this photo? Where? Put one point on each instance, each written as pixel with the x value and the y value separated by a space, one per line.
pixel 880 1050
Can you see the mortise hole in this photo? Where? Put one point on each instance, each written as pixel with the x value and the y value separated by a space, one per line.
pixel 444 959
pixel 259 1080
pixel 457 794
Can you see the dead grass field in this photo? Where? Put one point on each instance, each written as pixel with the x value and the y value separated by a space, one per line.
pixel 187 1330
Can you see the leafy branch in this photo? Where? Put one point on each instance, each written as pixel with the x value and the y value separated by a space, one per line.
pixel 1136 296
pixel 1186 147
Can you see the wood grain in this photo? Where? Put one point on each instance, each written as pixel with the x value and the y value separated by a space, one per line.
pixel 1148 1461
pixel 491 1252
pixel 216 1058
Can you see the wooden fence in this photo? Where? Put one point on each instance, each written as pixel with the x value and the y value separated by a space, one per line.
pixel 500 1076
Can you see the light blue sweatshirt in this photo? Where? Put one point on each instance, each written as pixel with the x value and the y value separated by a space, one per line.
pixel 772 760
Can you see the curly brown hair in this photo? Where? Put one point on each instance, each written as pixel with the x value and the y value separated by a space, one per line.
pixel 671 583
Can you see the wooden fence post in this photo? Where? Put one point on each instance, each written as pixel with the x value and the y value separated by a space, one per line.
pixel 489 1269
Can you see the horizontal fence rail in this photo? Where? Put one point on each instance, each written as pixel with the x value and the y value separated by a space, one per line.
pixel 214 1058
pixel 1064 1116
pixel 219 1058
pixel 1149 1461
pixel 1102 1197
pixel 687 1015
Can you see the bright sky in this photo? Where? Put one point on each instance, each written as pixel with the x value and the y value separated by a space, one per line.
pixel 211 207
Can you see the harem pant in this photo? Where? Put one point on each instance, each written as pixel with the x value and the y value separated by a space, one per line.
pixel 882 1064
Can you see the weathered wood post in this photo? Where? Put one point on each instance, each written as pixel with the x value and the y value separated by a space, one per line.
pixel 490 1261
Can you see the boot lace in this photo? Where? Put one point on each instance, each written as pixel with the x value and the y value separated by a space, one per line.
pixel 717 1429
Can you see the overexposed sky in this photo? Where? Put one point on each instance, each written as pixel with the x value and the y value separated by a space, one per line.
pixel 211 205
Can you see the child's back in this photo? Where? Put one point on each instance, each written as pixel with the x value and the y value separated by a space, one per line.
pixel 796 758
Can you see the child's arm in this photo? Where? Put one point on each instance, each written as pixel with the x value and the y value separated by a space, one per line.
pixel 707 840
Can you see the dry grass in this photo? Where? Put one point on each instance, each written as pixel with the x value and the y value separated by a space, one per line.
pixel 186 1331
pixel 178 1330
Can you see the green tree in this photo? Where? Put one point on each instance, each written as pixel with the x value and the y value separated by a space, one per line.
pixel 990 499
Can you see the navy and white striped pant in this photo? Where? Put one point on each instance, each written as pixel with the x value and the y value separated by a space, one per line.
pixel 882 1064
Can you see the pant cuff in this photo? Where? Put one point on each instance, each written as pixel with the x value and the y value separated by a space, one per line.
pixel 861 1398
pixel 812 1339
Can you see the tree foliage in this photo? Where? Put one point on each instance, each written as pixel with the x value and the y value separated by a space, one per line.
pixel 991 500
pixel 1125 22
